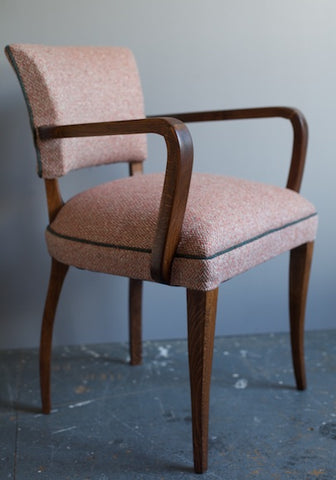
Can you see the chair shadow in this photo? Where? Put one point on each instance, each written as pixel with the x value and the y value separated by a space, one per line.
pixel 18 407
pixel 264 385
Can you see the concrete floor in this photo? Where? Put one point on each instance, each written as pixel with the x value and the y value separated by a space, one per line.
pixel 113 421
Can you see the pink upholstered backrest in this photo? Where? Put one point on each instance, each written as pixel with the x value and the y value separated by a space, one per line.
pixel 67 85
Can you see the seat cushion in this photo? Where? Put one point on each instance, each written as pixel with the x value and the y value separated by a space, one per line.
pixel 230 225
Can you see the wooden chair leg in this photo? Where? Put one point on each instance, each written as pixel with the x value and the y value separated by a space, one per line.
pixel 300 262
pixel 202 307
pixel 135 321
pixel 57 276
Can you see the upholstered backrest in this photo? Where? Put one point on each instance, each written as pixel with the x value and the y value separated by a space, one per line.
pixel 67 85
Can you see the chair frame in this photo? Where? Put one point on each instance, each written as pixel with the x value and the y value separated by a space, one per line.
pixel 201 305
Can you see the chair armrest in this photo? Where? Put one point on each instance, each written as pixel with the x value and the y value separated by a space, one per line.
pixel 297 119
pixel 176 183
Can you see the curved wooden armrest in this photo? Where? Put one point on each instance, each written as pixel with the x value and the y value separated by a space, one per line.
pixel 297 119
pixel 176 183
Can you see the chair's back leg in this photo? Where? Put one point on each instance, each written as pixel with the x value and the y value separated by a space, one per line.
pixel 202 307
pixel 300 262
pixel 57 276
pixel 135 321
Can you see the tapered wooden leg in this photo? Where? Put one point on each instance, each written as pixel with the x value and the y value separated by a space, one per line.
pixel 300 262
pixel 202 307
pixel 135 321
pixel 57 275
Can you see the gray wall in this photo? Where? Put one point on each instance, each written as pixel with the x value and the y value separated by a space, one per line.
pixel 192 55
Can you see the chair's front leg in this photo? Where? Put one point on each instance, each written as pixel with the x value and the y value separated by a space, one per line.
pixel 202 307
pixel 57 276
pixel 300 262
pixel 135 321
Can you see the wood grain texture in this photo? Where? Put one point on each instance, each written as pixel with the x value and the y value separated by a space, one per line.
pixel 57 276
pixel 135 300
pixel 300 263
pixel 297 119
pixel 177 177
pixel 135 321
pixel 202 307
pixel 54 198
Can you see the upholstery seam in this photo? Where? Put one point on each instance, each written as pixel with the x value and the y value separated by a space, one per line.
pixel 29 108
pixel 181 255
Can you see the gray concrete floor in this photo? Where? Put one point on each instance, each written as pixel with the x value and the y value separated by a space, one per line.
pixel 114 421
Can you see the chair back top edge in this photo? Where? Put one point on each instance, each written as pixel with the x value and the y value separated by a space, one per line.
pixel 65 85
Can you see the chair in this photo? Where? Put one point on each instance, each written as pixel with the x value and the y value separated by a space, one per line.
pixel 177 228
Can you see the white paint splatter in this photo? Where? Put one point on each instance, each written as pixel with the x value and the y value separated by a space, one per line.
pixel 54 410
pixel 90 352
pixel 63 430
pixel 163 351
pixel 235 375
pixel 158 399
pixel 81 404
pixel 157 365
pixel 241 384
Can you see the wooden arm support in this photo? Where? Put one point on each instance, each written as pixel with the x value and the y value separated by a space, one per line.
pixel 179 163
pixel 299 125
pixel 177 177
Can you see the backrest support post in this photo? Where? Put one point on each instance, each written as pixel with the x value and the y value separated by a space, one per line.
pixel 54 197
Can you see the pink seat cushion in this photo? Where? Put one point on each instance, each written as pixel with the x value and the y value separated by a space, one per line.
pixel 230 226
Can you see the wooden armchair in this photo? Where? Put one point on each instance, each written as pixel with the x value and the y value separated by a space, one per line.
pixel 178 228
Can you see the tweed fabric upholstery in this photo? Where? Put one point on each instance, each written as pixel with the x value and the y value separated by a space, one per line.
pixel 230 225
pixel 69 85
